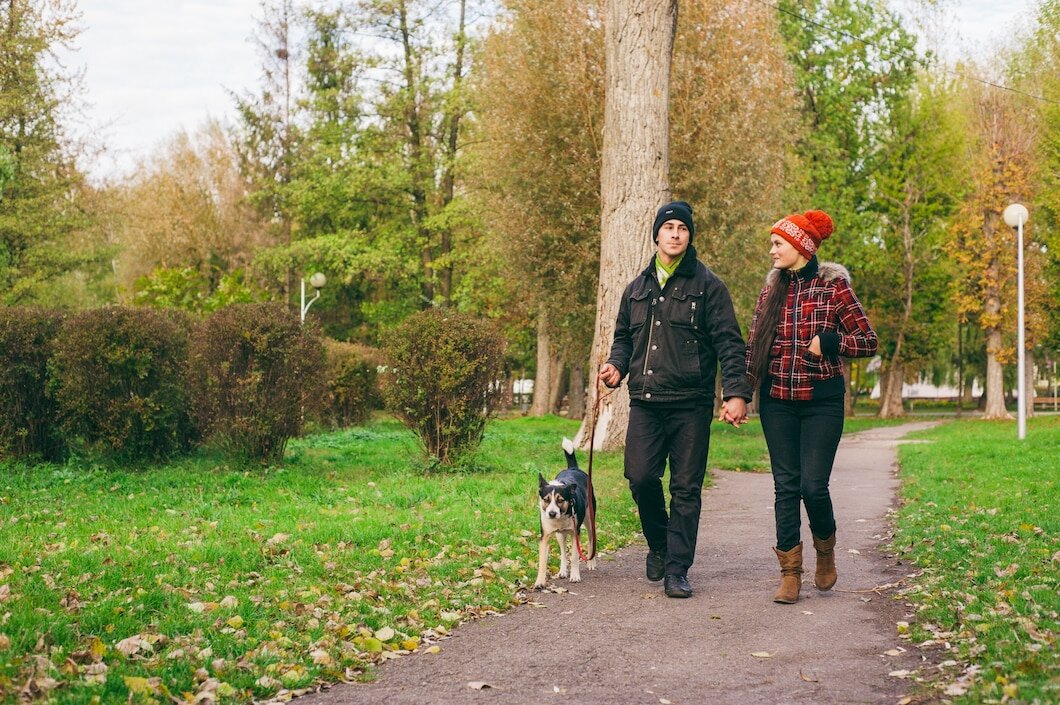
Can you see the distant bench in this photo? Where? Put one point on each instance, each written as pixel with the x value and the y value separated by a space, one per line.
pixel 1046 401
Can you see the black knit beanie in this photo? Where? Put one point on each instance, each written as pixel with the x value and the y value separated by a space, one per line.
pixel 675 210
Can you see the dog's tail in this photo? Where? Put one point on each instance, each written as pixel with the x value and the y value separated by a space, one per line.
pixel 568 450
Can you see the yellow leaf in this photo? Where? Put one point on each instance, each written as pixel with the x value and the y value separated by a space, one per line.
pixel 434 649
pixel 1010 691
pixel 138 685
pixel 385 634
pixel 945 527
pixel 235 622
pixel 410 644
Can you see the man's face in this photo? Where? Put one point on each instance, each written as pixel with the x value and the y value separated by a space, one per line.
pixel 673 238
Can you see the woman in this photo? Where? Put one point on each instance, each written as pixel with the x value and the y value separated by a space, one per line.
pixel 807 316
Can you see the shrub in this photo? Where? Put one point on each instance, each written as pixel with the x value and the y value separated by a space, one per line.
pixel 27 414
pixel 352 383
pixel 442 379
pixel 119 376
pixel 255 374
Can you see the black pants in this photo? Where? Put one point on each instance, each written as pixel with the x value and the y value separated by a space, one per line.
pixel 682 435
pixel 802 437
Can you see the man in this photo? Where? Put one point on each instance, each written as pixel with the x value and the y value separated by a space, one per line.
pixel 675 322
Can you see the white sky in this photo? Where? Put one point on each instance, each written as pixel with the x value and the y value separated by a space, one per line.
pixel 153 67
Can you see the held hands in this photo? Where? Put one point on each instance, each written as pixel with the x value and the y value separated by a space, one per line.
pixel 734 411
pixel 610 375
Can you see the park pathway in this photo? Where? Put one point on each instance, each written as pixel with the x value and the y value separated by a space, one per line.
pixel 615 638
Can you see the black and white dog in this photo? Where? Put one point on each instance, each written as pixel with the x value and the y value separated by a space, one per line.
pixel 564 503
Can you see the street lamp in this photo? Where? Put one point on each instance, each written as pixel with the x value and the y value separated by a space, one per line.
pixel 317 281
pixel 1015 216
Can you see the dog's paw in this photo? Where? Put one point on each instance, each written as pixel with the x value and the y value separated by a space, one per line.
pixel 575 578
pixel 540 585
pixel 591 564
pixel 563 573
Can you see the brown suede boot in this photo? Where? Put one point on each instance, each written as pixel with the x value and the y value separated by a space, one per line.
pixel 790 574
pixel 824 577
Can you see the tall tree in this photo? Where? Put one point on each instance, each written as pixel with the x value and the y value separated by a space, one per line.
pixel 635 170
pixel 919 183
pixel 268 133
pixel 42 209
pixel 999 159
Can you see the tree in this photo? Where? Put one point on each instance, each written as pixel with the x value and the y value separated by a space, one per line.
pixel 983 247
pixel 43 218
pixel 635 168
pixel 918 184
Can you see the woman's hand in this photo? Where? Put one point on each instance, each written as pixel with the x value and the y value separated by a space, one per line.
pixel 815 345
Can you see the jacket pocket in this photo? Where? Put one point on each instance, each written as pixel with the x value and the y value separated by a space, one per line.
pixel 639 305
pixel 689 361
pixel 813 363
pixel 686 308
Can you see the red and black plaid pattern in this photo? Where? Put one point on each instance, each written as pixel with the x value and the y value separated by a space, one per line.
pixel 815 306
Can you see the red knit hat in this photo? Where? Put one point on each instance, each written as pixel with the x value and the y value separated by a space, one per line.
pixel 805 231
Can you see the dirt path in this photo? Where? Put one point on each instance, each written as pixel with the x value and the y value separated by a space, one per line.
pixel 616 639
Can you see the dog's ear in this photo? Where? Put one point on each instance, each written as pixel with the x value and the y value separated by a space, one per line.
pixel 541 483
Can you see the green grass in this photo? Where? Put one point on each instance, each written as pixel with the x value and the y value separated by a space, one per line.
pixel 981 516
pixel 250 580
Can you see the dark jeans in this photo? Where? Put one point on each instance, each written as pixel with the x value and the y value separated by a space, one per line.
pixel 682 435
pixel 802 437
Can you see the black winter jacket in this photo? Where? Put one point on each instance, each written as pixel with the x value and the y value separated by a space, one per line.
pixel 669 339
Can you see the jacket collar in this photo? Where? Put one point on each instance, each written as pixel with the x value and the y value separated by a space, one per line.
pixel 809 271
pixel 687 268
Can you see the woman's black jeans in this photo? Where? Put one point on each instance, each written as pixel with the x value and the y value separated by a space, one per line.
pixel 802 437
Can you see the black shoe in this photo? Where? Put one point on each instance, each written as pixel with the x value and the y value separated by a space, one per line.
pixel 677 586
pixel 656 563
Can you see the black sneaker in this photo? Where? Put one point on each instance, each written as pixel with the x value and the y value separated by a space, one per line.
pixel 677 586
pixel 656 563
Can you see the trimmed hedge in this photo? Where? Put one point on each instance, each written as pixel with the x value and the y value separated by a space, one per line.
pixel 256 373
pixel 352 382
pixel 27 415
pixel 442 380
pixel 119 377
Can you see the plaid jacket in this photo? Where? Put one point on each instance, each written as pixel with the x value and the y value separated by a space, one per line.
pixel 820 303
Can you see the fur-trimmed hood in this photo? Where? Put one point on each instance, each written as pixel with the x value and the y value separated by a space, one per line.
pixel 827 271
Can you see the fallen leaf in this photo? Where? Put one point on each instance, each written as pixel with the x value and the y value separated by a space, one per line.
pixel 855 551
pixel 1006 572
pixel 761 654
pixel 5 642
pixel 133 645
pixel 479 685
pixel 900 674
pixel 955 689
pixel 664 701
pixel 385 634
pixel 229 602
pixel 808 679
pixel 196 607
pixel 434 649
pixel 235 622
pixel 892 652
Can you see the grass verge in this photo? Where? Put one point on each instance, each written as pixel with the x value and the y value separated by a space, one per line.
pixel 199 579
pixel 981 517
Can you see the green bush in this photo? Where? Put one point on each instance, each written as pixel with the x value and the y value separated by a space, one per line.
pixel 442 379
pixel 353 383
pixel 256 373
pixel 119 376
pixel 27 414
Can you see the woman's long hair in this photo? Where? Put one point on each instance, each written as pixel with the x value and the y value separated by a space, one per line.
pixel 766 326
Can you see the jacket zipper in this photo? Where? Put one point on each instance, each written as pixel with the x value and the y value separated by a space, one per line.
pixel 692 318
pixel 794 331
pixel 651 331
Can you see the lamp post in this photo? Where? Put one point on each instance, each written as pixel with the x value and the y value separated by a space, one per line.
pixel 1015 216
pixel 317 281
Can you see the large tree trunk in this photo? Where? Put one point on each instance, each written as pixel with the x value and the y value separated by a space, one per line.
pixel 555 394
pixel 634 176
pixel 576 392
pixel 543 377
pixel 891 392
pixel 1028 384
pixel 995 382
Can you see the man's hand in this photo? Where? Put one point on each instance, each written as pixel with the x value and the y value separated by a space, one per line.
pixel 610 375
pixel 733 411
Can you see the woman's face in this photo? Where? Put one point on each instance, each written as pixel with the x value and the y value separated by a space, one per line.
pixel 784 254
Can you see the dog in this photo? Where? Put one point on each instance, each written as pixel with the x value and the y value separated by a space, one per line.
pixel 563 503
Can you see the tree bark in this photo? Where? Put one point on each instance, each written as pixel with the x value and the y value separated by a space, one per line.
pixel 555 379
pixel 891 391
pixel 576 392
pixel 995 380
pixel 543 376
pixel 1028 385
pixel 634 178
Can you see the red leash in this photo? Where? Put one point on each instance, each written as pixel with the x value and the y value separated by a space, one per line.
pixel 590 510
